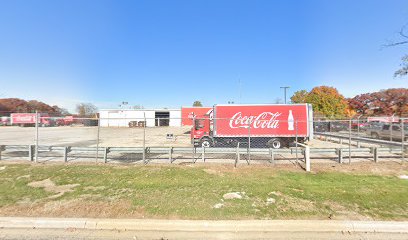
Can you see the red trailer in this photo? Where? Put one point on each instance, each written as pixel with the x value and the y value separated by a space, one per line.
pixel 28 119
pixel 269 125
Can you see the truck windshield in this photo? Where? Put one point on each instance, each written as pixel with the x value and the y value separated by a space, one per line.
pixel 199 123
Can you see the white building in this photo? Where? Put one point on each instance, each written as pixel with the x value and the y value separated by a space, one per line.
pixel 154 117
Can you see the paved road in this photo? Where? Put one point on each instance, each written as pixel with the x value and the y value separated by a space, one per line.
pixel 68 234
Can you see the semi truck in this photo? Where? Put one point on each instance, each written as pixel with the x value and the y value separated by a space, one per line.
pixel 261 125
pixel 28 119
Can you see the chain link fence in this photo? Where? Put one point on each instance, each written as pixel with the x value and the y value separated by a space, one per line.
pixel 163 140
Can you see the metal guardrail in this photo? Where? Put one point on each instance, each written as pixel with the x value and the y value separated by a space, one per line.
pixel 362 139
pixel 203 153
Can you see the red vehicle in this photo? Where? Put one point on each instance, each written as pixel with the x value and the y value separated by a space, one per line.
pixel 65 121
pixel 269 125
pixel 28 119
pixel 4 121
pixel 188 113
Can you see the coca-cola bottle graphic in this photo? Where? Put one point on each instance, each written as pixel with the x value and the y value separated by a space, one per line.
pixel 291 121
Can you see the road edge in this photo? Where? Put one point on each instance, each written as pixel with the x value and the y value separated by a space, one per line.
pixel 206 225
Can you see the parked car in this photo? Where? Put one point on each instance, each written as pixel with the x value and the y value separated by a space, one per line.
pixel 387 131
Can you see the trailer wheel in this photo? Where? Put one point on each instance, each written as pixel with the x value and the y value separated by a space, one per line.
pixel 274 143
pixel 206 143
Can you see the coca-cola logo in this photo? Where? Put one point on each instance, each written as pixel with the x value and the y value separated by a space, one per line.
pixel 263 120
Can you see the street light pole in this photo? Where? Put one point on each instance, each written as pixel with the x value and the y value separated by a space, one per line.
pixel 284 89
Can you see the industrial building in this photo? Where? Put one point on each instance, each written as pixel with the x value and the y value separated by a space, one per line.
pixel 153 117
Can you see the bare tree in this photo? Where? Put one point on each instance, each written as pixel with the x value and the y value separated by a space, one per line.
pixel 86 109
pixel 403 71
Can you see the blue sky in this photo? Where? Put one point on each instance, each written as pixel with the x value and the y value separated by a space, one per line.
pixel 170 53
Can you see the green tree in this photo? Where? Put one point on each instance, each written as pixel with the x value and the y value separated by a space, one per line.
pixel 197 104
pixel 327 101
pixel 299 96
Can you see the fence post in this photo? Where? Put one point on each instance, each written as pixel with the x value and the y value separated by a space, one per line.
pixel 402 140
pixel 36 136
pixel 391 124
pixel 349 140
pixel 340 154
pixel 97 140
pixel 237 158
pixel 249 141
pixel 307 158
pixel 144 138
pixel 296 139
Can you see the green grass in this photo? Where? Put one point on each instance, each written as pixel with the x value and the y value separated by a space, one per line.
pixel 191 192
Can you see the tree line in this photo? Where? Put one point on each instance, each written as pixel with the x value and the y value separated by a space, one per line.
pixel 17 105
pixel 328 102
pixel 10 105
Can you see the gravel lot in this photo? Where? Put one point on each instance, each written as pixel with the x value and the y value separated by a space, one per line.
pixel 79 136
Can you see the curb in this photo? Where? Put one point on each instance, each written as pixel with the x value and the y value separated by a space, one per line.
pixel 206 226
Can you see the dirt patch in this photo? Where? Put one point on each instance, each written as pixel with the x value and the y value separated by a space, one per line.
pixel 76 208
pixel 213 172
pixel 22 177
pixel 341 212
pixel 388 168
pixel 93 188
pixel 288 203
pixel 50 186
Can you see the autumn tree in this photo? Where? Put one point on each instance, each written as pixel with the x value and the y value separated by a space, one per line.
pixel 327 101
pixel 86 109
pixel 11 105
pixel 385 102
pixel 197 104
pixel 299 96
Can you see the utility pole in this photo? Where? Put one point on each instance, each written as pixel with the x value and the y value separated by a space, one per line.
pixel 284 89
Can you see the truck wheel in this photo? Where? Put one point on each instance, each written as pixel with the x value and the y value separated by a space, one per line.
pixel 375 135
pixel 274 143
pixel 206 143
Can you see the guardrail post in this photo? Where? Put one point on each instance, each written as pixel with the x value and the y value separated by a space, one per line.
pixel 194 151
pixel 66 151
pixel 358 144
pixel 271 153
pixel 375 153
pixel 307 158
pixel 31 152
pixel 105 154
pixel 340 154
pixel 171 154
pixel 203 154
